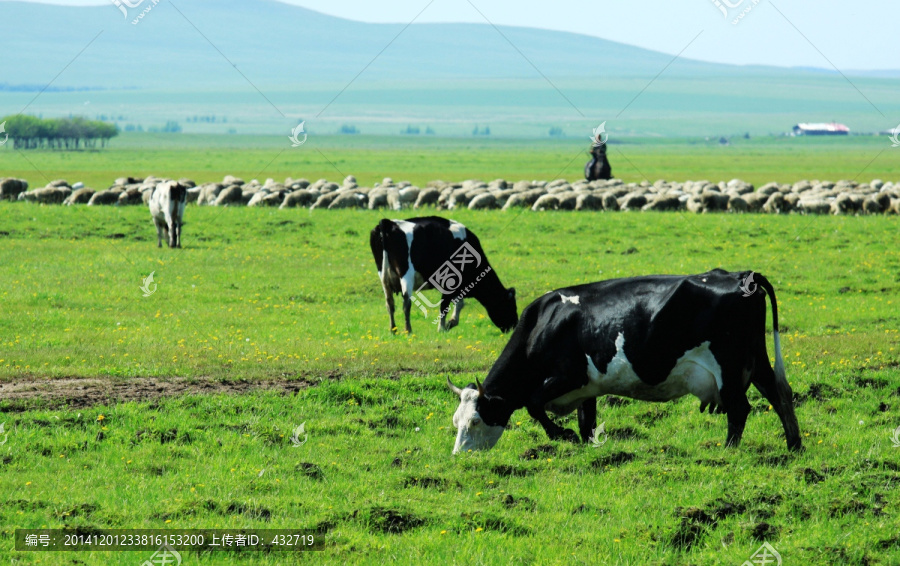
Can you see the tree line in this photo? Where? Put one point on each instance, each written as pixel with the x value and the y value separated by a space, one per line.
pixel 31 132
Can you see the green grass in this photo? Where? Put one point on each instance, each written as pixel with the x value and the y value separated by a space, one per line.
pixel 291 295
pixel 420 159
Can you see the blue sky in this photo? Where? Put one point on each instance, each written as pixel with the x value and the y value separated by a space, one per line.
pixel 811 33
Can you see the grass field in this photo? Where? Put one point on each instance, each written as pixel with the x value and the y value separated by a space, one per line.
pixel 290 298
pixel 420 159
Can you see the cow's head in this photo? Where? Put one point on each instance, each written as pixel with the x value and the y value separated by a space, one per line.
pixel 505 314
pixel 477 419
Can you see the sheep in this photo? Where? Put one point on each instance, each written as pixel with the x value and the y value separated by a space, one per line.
pixel 567 200
pixel 300 197
pixel 737 204
pixel 409 195
pixel 349 199
pixel 588 201
pixel 109 196
pixel 664 202
pixel 813 206
pixel 713 201
pixel 632 201
pixel 546 202
pixel 325 200
pixel 131 196
pixel 80 196
pixel 229 196
pixel 484 201
pixel 427 197
pixel 208 193
pixel 11 188
pixel 46 195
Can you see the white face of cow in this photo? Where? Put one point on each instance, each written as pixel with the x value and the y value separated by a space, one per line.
pixel 472 433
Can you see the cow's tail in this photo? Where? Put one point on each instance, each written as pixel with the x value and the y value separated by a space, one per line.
pixel 780 374
pixel 384 228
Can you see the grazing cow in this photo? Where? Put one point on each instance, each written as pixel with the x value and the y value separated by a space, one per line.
pixel 598 167
pixel 167 209
pixel 436 253
pixel 652 338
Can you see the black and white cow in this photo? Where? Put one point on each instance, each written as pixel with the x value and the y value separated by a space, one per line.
pixel 436 253
pixel 652 338
pixel 167 209
pixel 598 167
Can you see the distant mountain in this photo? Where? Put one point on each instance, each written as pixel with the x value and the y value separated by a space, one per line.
pixel 176 46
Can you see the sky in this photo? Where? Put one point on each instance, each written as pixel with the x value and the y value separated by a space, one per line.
pixel 787 33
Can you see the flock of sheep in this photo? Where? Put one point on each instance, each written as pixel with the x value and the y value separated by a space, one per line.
pixel 809 197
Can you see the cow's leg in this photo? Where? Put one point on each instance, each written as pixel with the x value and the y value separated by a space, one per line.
pixel 407 306
pixel 457 308
pixel 177 233
pixel 553 430
pixel 389 301
pixel 553 388
pixel 159 231
pixel 734 403
pixel 782 400
pixel 173 234
pixel 587 418
pixel 446 302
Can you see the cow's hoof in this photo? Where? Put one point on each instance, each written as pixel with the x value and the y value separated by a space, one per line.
pixel 566 434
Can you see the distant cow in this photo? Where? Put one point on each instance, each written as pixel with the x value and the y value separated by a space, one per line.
pixel 167 209
pixel 436 253
pixel 598 167
pixel 653 338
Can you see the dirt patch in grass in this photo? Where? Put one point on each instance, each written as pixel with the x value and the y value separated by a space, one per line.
pixel 510 501
pixel 764 531
pixel 383 520
pixel 23 395
pixel 817 392
pixel 538 452
pixel 309 470
pixel 426 482
pixel 692 528
pixel 626 433
pixel 616 459
pixel 505 471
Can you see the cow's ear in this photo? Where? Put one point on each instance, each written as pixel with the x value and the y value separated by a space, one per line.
pixel 512 292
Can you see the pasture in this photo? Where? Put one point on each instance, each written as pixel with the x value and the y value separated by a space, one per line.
pixel 121 409
pixel 420 159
